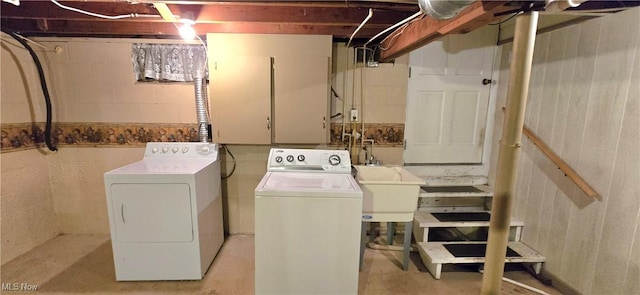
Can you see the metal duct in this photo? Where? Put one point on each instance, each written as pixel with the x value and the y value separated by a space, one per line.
pixel 202 106
pixel 443 9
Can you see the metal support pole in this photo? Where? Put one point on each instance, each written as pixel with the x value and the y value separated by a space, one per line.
pixel 510 144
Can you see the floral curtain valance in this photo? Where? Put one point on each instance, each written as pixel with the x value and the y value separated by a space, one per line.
pixel 168 62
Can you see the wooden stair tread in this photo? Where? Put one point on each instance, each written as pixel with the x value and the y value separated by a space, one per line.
pixel 482 191
pixel 436 253
pixel 426 219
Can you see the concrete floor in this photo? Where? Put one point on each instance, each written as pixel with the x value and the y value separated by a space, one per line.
pixel 84 264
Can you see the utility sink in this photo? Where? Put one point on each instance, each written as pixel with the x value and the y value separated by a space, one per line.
pixel 390 193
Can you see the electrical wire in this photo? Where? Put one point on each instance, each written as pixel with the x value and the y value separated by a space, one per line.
pixel 43 85
pixel 234 162
pixel 395 35
pixel 130 15
pixel 415 15
pixel 506 20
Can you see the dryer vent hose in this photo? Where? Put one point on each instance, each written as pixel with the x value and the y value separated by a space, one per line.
pixel 202 106
pixel 43 85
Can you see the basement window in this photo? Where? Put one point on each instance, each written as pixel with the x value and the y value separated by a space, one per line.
pixel 168 62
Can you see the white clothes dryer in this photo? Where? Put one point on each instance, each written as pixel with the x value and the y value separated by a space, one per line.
pixel 165 212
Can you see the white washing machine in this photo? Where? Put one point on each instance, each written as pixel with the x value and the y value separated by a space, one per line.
pixel 308 213
pixel 165 212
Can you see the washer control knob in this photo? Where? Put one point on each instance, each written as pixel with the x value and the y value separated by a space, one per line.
pixel 334 160
pixel 290 158
pixel 165 150
pixel 301 158
pixel 155 150
pixel 279 159
pixel 185 150
pixel 175 150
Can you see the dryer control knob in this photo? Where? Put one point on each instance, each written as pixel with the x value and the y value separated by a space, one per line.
pixel 175 150
pixel 185 150
pixel 205 149
pixel 165 149
pixel 155 150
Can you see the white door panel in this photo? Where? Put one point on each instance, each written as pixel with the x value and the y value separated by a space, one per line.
pixel 447 101
pixel 152 212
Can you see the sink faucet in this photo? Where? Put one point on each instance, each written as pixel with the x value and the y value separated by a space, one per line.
pixel 369 159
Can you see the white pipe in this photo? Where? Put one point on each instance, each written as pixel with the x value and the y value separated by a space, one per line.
pixel 560 5
pixel 393 27
pixel 344 93
pixel 360 26
pixel 363 92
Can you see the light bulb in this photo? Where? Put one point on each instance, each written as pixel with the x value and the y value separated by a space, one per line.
pixel 187 32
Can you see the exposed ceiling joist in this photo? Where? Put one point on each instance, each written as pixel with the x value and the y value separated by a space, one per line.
pixel 336 18
pixel 427 29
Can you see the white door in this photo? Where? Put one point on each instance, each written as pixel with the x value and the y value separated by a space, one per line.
pixel 447 100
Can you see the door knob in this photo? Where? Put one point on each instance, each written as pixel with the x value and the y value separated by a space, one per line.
pixel 486 81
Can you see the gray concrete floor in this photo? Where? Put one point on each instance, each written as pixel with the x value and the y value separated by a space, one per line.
pixel 83 264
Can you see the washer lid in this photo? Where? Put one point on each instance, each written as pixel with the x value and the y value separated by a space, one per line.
pixel 292 183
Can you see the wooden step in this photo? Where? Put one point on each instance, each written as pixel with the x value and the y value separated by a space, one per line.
pixel 456 191
pixel 435 254
pixel 455 198
pixel 423 221
pixel 429 219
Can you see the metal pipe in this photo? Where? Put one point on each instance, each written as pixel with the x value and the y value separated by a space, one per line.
pixel 443 9
pixel 510 146
pixel 201 106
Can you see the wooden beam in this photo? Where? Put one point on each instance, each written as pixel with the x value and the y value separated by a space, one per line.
pixel 428 29
pixel 128 29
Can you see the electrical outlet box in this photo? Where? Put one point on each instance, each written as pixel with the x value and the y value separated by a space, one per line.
pixel 354 115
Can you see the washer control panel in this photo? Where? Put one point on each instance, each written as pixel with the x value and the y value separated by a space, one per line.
pixel 163 150
pixel 309 160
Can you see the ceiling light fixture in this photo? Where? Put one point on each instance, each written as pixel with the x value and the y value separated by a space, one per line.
pixel 186 30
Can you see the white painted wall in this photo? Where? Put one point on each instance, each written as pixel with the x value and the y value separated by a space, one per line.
pixel 584 101
pixel 27 210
